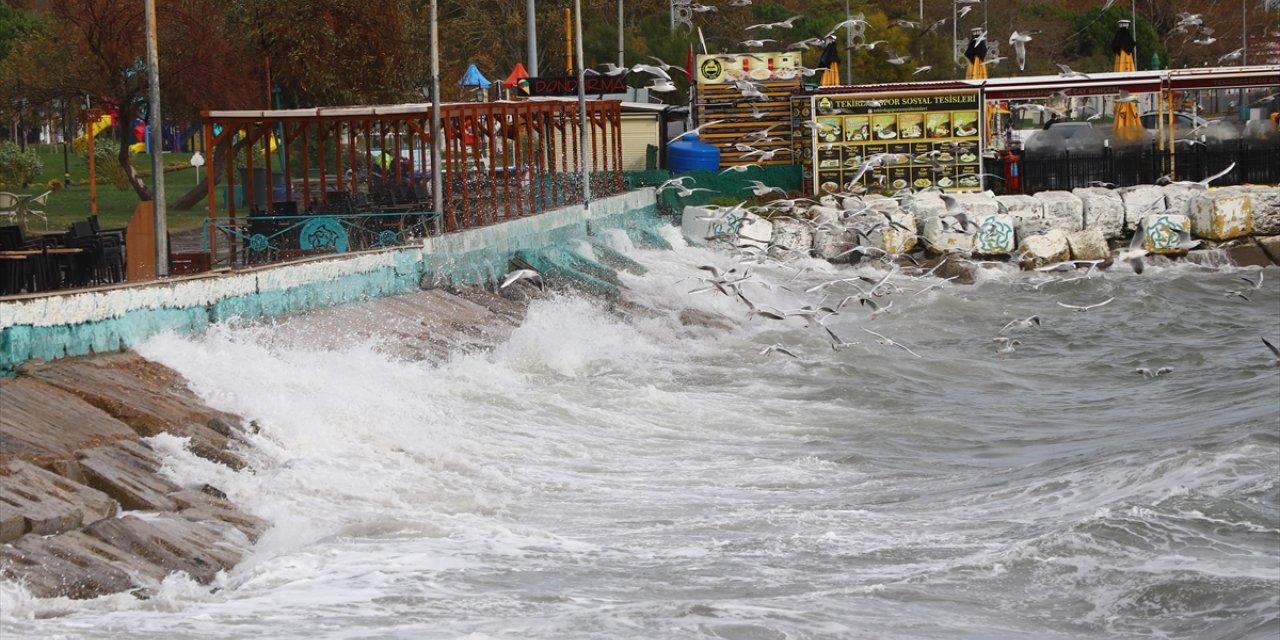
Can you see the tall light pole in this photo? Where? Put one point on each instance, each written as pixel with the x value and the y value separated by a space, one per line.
pixel 955 56
pixel 580 68
pixel 622 59
pixel 531 34
pixel 437 171
pixel 848 48
pixel 157 142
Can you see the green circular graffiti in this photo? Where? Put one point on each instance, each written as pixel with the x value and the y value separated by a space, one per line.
pixel 994 236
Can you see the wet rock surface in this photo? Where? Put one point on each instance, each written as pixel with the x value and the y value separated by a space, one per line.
pixel 85 508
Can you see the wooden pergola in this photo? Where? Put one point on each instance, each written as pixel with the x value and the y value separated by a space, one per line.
pixel 500 160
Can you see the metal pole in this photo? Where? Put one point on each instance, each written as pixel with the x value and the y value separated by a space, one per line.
pixel 582 103
pixel 622 61
pixel 1134 21
pixel 531 34
pixel 955 57
pixel 157 142
pixel 922 10
pixel 437 176
pixel 848 48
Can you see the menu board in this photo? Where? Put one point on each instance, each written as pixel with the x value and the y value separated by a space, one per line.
pixel 928 139
pixel 727 67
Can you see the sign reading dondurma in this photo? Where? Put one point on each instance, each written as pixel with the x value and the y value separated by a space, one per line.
pixel 927 139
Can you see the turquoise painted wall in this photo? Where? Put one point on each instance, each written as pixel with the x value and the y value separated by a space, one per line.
pixel 106 320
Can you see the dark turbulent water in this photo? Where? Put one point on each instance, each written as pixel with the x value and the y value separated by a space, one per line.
pixel 599 476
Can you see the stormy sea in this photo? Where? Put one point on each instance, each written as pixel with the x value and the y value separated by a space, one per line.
pixel 753 449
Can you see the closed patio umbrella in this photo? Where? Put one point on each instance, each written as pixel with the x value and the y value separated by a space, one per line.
pixel 1127 126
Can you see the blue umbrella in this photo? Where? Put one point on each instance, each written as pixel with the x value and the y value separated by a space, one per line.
pixel 473 78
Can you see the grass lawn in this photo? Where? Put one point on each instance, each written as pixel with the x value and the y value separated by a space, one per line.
pixel 115 206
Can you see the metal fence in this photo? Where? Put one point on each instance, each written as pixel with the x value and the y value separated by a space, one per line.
pixel 1255 163
pixel 353 178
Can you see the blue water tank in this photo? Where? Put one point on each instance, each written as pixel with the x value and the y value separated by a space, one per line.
pixel 689 154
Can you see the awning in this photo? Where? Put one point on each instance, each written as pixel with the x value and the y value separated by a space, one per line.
pixel 517 74
pixel 473 78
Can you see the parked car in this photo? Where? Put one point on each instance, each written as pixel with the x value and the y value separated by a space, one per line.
pixel 1066 129
pixel 1183 122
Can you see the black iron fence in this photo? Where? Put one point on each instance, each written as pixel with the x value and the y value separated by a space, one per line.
pixel 1254 163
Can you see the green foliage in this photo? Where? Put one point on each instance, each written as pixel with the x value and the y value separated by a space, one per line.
pixel 14 26
pixel 106 158
pixel 18 166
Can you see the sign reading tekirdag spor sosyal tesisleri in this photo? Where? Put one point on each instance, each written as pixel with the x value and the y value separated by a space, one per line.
pixel 927 138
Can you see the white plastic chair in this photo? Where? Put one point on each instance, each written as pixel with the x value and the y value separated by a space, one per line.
pixel 9 205
pixel 36 207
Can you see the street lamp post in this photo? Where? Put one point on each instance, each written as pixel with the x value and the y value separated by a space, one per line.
pixel 531 34
pixel 580 71
pixel 157 142
pixel 437 177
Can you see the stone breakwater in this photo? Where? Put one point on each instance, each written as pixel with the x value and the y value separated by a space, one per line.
pixel 86 506
pixel 1236 225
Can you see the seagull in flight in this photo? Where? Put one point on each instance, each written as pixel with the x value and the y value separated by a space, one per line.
pixel 1147 373
pixel 1274 351
pixel 1019 42
pixel 890 343
pixel 785 24
pixel 521 274
pixel 1087 307
pixel 777 348
pixel 696 130
pixel 1021 323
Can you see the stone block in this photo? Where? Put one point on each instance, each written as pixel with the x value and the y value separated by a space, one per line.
pixel 1027 213
pixel 1103 210
pixel 1088 244
pixel 995 235
pixel 1062 210
pixel 1266 209
pixel 126 471
pixel 977 204
pixel 1046 248
pixel 33 500
pixel 878 202
pixel 1248 254
pixel 791 235
pixel 700 223
pixel 1165 232
pixel 41 422
pixel 1221 216
pixel 1271 245
pixel 896 240
pixel 1178 197
pixel 923 206
pixel 1139 201
pixel 754 230
pixel 940 238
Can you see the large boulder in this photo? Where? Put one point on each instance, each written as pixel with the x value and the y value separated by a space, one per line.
pixel 1103 210
pixel 791 237
pixel 1139 201
pixel 1178 197
pixel 1165 232
pixel 939 237
pixel 1027 213
pixel 1221 216
pixel 1266 206
pixel 1063 210
pixel 976 204
pixel 995 235
pixel 924 206
pixel 1044 249
pixel 1088 244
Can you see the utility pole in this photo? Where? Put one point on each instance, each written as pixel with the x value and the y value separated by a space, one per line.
pixel 848 48
pixel 157 143
pixel 955 56
pixel 622 58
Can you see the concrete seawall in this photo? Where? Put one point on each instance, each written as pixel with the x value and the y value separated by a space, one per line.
pixel 85 506
pixel 107 320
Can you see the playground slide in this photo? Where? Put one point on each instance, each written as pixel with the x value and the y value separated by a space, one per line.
pixel 94 129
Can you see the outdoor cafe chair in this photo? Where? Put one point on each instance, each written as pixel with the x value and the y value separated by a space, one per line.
pixel 9 205
pixel 36 207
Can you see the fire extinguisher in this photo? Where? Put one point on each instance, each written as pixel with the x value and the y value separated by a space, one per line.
pixel 1009 163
